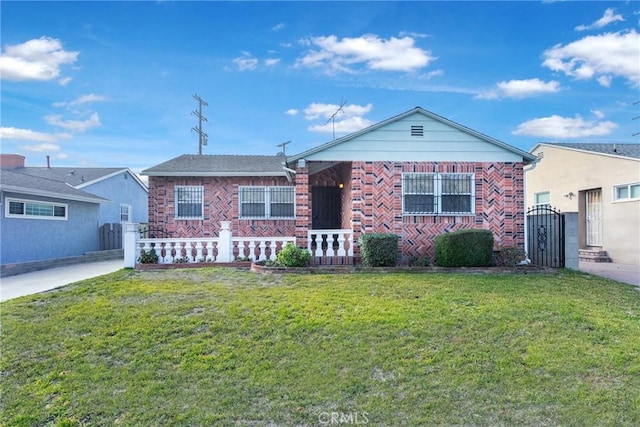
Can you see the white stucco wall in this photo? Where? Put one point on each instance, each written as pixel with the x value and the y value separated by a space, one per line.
pixel 563 171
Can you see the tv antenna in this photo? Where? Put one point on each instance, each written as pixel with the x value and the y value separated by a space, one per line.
pixel 333 116
pixel 284 147
pixel 202 137
pixel 636 118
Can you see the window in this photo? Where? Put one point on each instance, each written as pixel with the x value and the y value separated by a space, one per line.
pixel 432 194
pixel 627 192
pixel 125 212
pixel 189 202
pixel 267 202
pixel 16 208
pixel 543 198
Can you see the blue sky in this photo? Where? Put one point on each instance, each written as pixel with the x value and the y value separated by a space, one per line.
pixel 112 83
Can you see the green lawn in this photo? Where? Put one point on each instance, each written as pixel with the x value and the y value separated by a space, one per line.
pixel 224 347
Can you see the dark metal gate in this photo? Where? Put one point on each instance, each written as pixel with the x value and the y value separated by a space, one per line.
pixel 545 227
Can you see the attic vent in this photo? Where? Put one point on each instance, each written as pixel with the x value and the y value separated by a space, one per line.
pixel 541 154
pixel 417 131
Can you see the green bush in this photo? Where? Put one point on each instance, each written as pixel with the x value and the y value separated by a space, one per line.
pixel 148 257
pixel 293 256
pixel 378 249
pixel 465 248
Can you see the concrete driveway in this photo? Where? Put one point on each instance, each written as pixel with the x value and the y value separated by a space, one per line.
pixel 625 273
pixel 44 280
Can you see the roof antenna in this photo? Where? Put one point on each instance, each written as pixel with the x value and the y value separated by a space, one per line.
pixel 284 148
pixel 202 137
pixel 635 118
pixel 333 116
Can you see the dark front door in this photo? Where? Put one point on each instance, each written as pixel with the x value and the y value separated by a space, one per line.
pixel 326 208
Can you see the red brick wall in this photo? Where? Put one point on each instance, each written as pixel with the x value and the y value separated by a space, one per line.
pixel 377 203
pixel 220 204
pixel 372 202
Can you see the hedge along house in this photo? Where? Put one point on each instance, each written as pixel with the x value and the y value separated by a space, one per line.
pixel 415 175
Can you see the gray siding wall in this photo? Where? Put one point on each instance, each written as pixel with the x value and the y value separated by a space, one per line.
pixel 23 239
pixel 120 190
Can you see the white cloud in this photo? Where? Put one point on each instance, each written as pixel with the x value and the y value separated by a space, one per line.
pixel 41 147
pixel 292 112
pixel 348 118
pixel 601 57
pixel 606 19
pixel 85 99
pixel 245 62
pixel 270 62
pixel 37 59
pixel 74 125
pixel 278 27
pixel 368 51
pixel 520 89
pixel 17 134
pixel 558 127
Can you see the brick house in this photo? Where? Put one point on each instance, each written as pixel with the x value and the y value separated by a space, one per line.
pixel 416 175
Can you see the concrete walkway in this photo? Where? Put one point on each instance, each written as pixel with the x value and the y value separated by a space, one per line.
pixel 625 273
pixel 44 280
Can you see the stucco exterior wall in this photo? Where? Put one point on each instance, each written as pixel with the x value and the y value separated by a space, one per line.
pixel 220 204
pixel 120 190
pixel 27 239
pixel 561 171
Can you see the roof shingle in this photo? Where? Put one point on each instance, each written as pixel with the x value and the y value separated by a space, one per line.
pixel 219 165
pixel 624 150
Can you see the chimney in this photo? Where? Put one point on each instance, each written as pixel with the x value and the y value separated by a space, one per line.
pixel 48 162
pixel 12 161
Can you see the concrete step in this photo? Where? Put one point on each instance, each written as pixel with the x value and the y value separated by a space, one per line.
pixel 592 255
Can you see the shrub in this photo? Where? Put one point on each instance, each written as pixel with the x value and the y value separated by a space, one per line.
pixel 465 248
pixel 293 256
pixel 379 249
pixel 509 257
pixel 148 257
pixel 419 261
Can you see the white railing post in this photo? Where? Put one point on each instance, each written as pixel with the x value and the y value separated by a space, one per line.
pixel 130 244
pixel 225 251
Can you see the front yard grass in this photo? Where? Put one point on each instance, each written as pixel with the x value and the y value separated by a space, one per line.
pixel 226 347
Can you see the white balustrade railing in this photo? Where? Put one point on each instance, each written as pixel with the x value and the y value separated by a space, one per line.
pixel 228 248
pixel 259 248
pixel 330 243
pixel 190 250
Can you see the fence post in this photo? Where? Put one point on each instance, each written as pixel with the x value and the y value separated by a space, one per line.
pixel 130 244
pixel 225 250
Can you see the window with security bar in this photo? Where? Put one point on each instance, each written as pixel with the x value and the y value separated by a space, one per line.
pixel 437 194
pixel 189 202
pixel 267 202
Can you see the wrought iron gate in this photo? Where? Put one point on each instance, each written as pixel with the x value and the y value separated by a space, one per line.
pixel 545 226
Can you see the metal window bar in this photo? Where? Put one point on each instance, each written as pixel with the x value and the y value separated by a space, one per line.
pixel 189 202
pixel 430 194
pixel 267 202
pixel 281 201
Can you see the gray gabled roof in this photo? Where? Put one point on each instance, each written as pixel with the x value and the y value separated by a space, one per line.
pixel 219 165
pixel 527 157
pixel 15 182
pixel 77 177
pixel 622 150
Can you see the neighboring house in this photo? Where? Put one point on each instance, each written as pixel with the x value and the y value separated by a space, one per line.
pixel 416 175
pixel 51 212
pixel 599 181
